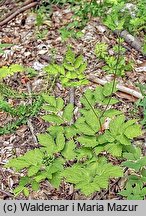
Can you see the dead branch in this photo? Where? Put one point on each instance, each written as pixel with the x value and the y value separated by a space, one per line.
pixel 131 40
pixel 119 87
pixel 27 5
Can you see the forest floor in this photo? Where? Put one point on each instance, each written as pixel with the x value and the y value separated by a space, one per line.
pixel 31 50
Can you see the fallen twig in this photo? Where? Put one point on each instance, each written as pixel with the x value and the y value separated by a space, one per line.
pixel 27 5
pixel 72 99
pixel 29 123
pixel 119 87
pixel 131 40
pixel 72 95
pixel 6 193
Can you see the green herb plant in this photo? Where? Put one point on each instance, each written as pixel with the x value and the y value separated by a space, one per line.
pixel 130 17
pixel 7 71
pixel 20 113
pixel 79 152
pixel 135 188
pixel 82 142
pixel 101 51
pixel 42 17
pixel 70 72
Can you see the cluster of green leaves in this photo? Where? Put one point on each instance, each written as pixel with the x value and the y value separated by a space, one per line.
pixel 2 46
pixel 118 136
pixel 68 32
pixel 129 16
pixel 135 186
pixel 71 71
pixel 80 142
pixel 101 51
pixel 42 17
pixel 84 10
pixel 7 92
pixel 116 14
pixel 19 113
pixel 7 71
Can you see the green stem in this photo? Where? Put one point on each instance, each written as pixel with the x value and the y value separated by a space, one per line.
pixel 114 81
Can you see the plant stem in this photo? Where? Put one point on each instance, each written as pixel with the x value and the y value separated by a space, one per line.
pixel 114 81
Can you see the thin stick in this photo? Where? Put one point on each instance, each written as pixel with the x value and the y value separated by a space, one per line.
pixel 29 123
pixel 18 11
pixel 119 87
pixel 7 193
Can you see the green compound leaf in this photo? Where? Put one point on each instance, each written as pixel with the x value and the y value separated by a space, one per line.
pixel 133 131
pixel 84 153
pixel 112 112
pixel 47 141
pixel 123 139
pixel 127 124
pixel 60 69
pixel 98 149
pixel 69 150
pixel 78 62
pixel 6 71
pixel 42 176
pixel 56 179
pixel 32 170
pixel 51 100
pixel 35 186
pixel 18 190
pixel 111 102
pixel 134 192
pixel 53 119
pixel 18 166
pixel 50 69
pixel 26 192
pixel 32 157
pixel 87 141
pixel 134 155
pixel 68 66
pixel 96 175
pixel 55 129
pixel 98 94
pixel 92 118
pixel 70 131
pixel 106 137
pixel 68 112
pixel 70 56
pixel 60 142
pixel 131 164
pixel 84 128
pixel 114 149
pixel 82 68
pixel 59 104
pixel 116 124
pixel 49 108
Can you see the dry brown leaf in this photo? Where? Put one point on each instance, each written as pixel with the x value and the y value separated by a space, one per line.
pixel 141 67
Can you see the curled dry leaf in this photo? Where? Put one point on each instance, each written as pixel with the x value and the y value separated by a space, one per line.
pixel 141 67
